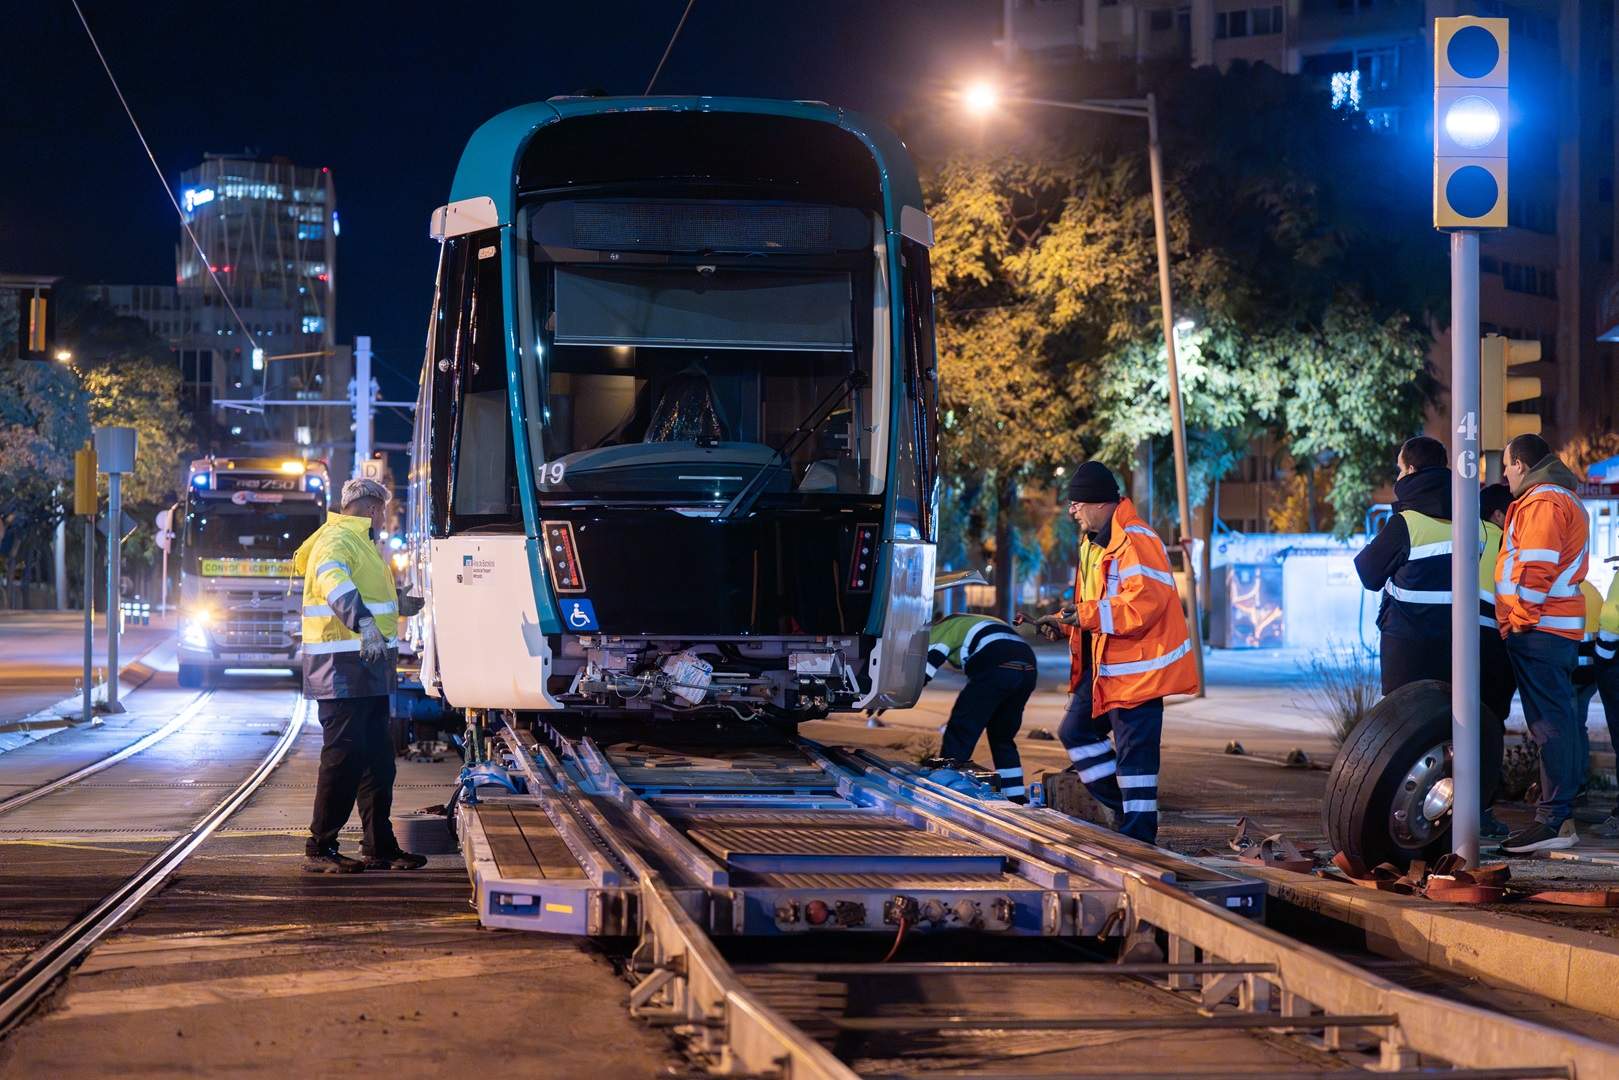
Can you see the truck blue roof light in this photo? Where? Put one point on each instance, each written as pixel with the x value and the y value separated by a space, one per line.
pixel 200 480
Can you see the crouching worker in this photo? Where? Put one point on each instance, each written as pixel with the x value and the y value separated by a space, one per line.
pixel 1001 673
pixel 1129 649
pixel 350 619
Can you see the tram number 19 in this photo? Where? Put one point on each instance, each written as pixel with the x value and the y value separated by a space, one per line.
pixel 554 472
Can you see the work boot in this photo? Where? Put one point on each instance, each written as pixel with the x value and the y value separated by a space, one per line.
pixel 1538 836
pixel 330 862
pixel 399 860
pixel 1491 827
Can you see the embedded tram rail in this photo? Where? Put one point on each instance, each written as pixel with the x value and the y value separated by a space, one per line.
pixel 760 884
pixel 32 980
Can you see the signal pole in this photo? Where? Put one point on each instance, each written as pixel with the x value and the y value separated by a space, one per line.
pixel 1470 194
pixel 1464 542
pixel 84 505
pixel 115 455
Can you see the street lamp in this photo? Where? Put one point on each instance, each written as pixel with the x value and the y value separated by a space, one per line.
pixel 981 98
pixel 63 356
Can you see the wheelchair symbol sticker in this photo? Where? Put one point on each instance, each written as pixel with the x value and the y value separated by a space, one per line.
pixel 580 615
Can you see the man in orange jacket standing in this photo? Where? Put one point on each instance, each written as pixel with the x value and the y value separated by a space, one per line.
pixel 1543 559
pixel 1129 648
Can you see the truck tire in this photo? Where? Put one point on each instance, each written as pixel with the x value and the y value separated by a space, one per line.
pixel 1377 806
pixel 192 676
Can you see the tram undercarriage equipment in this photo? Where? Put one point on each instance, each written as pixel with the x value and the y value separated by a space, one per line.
pixel 798 680
pixel 768 834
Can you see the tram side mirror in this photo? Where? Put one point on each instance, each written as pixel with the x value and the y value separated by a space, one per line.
pixel 958 577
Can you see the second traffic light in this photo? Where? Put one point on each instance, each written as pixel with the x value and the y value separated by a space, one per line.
pixel 1497 389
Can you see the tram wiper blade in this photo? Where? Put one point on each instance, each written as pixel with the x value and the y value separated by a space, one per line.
pixel 749 493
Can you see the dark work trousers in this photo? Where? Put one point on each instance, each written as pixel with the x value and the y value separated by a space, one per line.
pixel 1608 687
pixel 356 762
pixel 1122 776
pixel 1410 659
pixel 1495 690
pixel 1544 667
pixel 1000 678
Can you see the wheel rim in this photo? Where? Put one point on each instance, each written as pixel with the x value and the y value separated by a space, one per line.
pixel 1420 809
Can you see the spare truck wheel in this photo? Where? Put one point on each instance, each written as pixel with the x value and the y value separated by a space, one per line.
pixel 1389 793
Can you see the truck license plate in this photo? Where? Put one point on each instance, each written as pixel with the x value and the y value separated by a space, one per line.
pixel 262 656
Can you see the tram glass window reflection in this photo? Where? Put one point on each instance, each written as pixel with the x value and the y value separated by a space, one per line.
pixel 680 381
pixel 917 501
pixel 474 470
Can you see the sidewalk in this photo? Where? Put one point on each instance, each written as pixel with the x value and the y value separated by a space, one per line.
pixel 43 662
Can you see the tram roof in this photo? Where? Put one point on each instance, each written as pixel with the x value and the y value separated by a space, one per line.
pixel 489 163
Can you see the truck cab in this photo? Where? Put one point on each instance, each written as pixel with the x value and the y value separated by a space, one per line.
pixel 240 602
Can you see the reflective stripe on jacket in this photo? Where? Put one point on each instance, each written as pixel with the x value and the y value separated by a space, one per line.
pixel 345 581
pixel 1131 610
pixel 1420 588
pixel 1543 560
pixel 1608 623
pixel 956 639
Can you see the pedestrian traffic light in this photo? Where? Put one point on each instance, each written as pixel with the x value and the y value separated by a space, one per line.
pixel 84 481
pixel 1496 356
pixel 1470 123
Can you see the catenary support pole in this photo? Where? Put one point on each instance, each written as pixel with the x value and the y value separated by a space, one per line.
pixel 362 402
pixel 115 519
pixel 1177 421
pixel 1464 544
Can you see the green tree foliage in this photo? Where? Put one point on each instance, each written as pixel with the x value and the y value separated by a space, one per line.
pixel 145 395
pixel 1307 284
pixel 42 421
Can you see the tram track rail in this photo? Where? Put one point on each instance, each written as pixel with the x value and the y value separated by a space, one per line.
pixel 1218 973
pixel 32 981
pixel 180 720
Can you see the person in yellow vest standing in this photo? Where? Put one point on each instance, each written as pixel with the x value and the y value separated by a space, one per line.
pixel 351 650
pixel 1541 613
pixel 1129 648
pixel 1605 652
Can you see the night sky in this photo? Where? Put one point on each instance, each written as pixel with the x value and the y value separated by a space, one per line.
pixel 385 94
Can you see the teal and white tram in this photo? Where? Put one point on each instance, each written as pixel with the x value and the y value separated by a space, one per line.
pixel 675 450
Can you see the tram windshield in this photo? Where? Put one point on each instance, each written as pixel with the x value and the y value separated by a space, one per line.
pixel 677 377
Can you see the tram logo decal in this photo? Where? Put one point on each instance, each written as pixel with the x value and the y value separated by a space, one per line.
pixel 580 615
pixel 476 571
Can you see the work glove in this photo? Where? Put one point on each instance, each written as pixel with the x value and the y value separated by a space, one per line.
pixel 409 605
pixel 373 648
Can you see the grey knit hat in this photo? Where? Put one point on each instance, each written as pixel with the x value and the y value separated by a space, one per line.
pixel 361 488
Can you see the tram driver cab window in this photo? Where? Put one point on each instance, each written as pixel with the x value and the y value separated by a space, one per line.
pixel 682 382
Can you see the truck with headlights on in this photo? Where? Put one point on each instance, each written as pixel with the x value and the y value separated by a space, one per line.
pixel 240 602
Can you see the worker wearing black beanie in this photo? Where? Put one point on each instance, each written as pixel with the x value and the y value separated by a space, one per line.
pixel 1093 482
pixel 1130 648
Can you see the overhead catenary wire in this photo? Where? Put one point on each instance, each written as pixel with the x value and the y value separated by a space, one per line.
pixel 252 341
pixel 667 49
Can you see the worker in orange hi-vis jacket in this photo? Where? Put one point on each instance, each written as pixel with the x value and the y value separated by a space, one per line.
pixel 1129 649
pixel 1538 606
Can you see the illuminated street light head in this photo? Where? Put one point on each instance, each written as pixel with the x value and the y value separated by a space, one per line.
pixel 64 356
pixel 981 98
